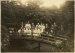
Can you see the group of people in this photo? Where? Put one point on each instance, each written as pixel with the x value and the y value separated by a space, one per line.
pixel 32 29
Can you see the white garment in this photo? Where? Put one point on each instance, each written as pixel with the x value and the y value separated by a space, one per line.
pixel 42 27
pixel 36 32
pixel 38 26
pixel 28 26
pixel 19 31
pixel 27 31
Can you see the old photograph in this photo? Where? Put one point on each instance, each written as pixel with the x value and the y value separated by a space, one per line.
pixel 37 26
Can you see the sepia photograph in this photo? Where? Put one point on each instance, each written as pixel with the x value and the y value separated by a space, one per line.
pixel 37 26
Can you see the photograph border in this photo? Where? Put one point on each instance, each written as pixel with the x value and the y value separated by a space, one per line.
pixel 35 52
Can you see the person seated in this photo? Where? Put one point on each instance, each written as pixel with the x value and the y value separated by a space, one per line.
pixel 38 26
pixel 20 31
pixel 28 26
pixel 36 32
pixel 42 28
pixel 27 31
